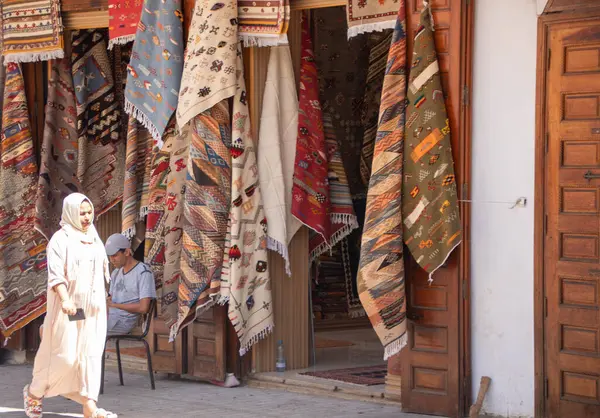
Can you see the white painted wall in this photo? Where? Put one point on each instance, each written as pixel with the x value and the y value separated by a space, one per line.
pixel 503 103
pixel 541 5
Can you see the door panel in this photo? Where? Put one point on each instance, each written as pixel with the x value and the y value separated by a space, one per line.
pixel 206 345
pixel 572 241
pixel 431 361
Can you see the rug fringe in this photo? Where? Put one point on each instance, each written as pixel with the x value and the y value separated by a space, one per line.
pixel 338 218
pixel 263 41
pixel 430 280
pixel 178 326
pixel 120 40
pixel 371 27
pixel 274 245
pixel 20 57
pixel 395 347
pixel 357 313
pixel 141 117
pixel 262 334
pixel 129 232
pixel 144 212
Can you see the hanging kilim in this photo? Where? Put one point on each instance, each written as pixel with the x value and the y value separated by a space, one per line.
pixel 154 251
pixel 342 77
pixel 209 69
pixel 263 23
pixel 310 192
pixel 59 150
pixel 432 227
pixel 23 276
pixel 371 15
pixel 173 225
pixel 343 218
pixel 137 162
pixel 101 155
pixel 355 308
pixel 123 18
pixel 245 281
pixel 277 137
pixel 381 273
pixel 206 212
pixel 155 68
pixel 31 30
pixel 379 46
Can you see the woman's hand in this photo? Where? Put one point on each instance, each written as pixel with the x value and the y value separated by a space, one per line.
pixel 69 307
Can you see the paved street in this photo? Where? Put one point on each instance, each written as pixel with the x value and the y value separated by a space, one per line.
pixel 185 399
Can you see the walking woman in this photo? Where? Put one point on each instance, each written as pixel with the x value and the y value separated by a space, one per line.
pixel 69 360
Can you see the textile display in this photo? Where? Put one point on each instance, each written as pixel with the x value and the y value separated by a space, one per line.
pixel 341 212
pixel 355 309
pixel 432 227
pixel 379 46
pixel 138 162
pixel 263 23
pixel 209 69
pixel 154 249
pixel 310 190
pixel 101 152
pixel 23 276
pixel 381 273
pixel 154 76
pixel 328 288
pixel 59 154
pixel 206 212
pixel 371 15
pixel 245 281
pixel 342 77
pixel 123 19
pixel 32 30
pixel 173 225
pixel 277 137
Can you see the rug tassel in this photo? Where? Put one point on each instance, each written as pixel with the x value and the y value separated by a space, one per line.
pixel 250 41
pixel 121 40
pixel 395 347
pixel 430 280
pixel 274 245
pixel 31 57
pixel 264 333
pixel 371 27
pixel 136 113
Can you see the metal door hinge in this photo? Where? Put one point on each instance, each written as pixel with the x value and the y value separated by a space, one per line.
pixel 465 95
pixel 546 388
pixel 549 59
pixel 545 306
pixel 547 141
pixel 545 224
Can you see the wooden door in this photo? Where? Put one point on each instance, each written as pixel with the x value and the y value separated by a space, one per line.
pixel 206 338
pixel 572 212
pixel 432 374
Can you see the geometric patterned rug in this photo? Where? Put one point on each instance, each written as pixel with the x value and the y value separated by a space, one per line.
pixel 367 376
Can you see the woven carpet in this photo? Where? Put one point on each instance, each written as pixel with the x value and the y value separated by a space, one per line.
pixel 371 15
pixel 263 23
pixel 156 66
pixel 342 77
pixel 341 211
pixel 381 274
pixel 173 223
pixel 432 227
pixel 379 47
pixel 59 152
pixel 31 30
pixel 310 191
pixel 210 59
pixel 245 280
pixel 137 169
pixel 154 254
pixel 206 212
pixel 367 376
pixel 23 277
pixel 123 16
pixel 101 149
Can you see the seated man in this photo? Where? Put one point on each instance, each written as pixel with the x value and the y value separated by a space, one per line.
pixel 131 287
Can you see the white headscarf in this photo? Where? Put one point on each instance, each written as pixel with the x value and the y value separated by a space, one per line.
pixel 71 222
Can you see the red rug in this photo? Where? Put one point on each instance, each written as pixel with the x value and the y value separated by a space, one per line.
pixel 368 376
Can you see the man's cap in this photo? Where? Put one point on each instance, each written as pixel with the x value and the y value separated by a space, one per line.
pixel 115 243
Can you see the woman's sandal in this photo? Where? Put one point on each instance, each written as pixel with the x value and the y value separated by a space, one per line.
pixel 31 406
pixel 103 413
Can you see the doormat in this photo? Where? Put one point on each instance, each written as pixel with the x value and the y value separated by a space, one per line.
pixel 368 376
pixel 130 351
pixel 327 343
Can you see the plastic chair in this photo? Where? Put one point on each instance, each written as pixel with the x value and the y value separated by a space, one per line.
pixel 147 321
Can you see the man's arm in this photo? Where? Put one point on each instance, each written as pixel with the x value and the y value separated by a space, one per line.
pixel 140 307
